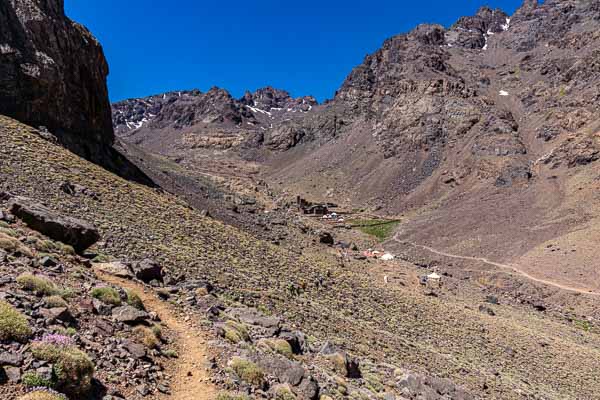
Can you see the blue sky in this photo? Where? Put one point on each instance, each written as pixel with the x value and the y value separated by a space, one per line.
pixel 305 47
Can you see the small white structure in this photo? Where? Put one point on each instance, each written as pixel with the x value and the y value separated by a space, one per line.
pixel 504 93
pixel 434 280
pixel 387 257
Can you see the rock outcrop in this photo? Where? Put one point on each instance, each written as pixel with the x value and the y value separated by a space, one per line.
pixel 53 74
pixel 68 230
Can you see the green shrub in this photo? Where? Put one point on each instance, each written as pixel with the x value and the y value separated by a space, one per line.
pixel 12 245
pixel 67 331
pixel 107 295
pixel 232 396
pixel 13 325
pixel 8 231
pixel 134 300
pixel 37 284
pixel 283 392
pixel 102 258
pixel 55 302
pixel 235 332
pixel 279 346
pixel 72 368
pixel 43 395
pixel 248 371
pixel 33 380
pixel 170 353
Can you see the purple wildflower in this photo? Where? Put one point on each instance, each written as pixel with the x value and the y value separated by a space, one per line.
pixel 58 340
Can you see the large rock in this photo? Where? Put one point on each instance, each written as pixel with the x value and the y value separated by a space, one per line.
pixel 52 70
pixel 147 270
pixel 53 74
pixel 71 231
pixel 129 315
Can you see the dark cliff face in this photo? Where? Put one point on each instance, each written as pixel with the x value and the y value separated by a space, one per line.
pixel 53 71
pixel 53 74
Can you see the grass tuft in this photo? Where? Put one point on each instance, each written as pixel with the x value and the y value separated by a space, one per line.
pixel 107 295
pixel 39 285
pixel 248 371
pixel 134 300
pixel 13 325
pixel 72 368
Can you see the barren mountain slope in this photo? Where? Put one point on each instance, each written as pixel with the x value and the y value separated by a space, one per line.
pixel 484 136
pixel 493 357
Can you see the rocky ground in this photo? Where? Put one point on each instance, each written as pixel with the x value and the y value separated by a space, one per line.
pixel 390 326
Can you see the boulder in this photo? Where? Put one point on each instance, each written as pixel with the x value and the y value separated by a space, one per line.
pixel 57 314
pixel 137 350
pixel 129 315
pixel 285 370
pixel 71 231
pixel 117 269
pixel 10 375
pixel 345 365
pixel 10 359
pixel 147 271
pixel 296 340
pixel 250 316
pixel 308 389
pixel 326 238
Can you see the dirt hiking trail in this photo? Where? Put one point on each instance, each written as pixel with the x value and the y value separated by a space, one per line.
pixel 190 344
pixel 512 268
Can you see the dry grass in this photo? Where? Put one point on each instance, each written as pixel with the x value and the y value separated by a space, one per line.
pixel 248 371
pixel 73 369
pixel 107 295
pixel 13 325
pixel 39 285
pixel 149 337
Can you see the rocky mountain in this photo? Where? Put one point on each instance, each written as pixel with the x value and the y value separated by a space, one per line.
pixel 53 74
pixel 466 155
pixel 207 120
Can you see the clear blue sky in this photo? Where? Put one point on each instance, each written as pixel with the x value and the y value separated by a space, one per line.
pixel 305 47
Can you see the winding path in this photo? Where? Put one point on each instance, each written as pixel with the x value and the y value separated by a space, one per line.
pixel 511 268
pixel 190 379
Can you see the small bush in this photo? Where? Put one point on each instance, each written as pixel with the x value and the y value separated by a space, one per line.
pixel 248 371
pixel 55 302
pixel 67 331
pixel 37 284
pixel 232 396
pixel 147 337
pixel 45 394
pixel 134 300
pixel 102 258
pixel 279 346
pixel 235 332
pixel 33 380
pixel 12 245
pixel 107 295
pixel 13 325
pixel 43 245
pixel 170 353
pixel 283 392
pixel 8 231
pixel 72 368
pixel 157 331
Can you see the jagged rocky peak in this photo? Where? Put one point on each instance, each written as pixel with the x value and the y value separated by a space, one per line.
pixel 271 99
pixel 473 32
pixel 217 106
